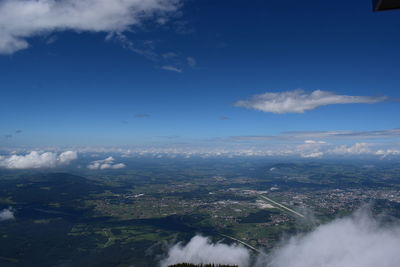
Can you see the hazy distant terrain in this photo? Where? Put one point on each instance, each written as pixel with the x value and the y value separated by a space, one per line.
pixel 137 214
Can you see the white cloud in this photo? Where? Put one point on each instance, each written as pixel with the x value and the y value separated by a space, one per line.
pixel 310 149
pixel 22 19
pixel 356 241
pixel 107 163
pixel 67 156
pixel 297 101
pixel 37 159
pixel 356 149
pixel 314 142
pixel 312 155
pixel 387 152
pixel 170 55
pixel 118 166
pixel 171 68
pixel 295 147
pixel 317 149
pixel 7 214
pixel 200 250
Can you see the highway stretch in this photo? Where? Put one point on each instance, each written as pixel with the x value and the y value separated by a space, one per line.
pixel 243 243
pixel 282 206
pixel 279 206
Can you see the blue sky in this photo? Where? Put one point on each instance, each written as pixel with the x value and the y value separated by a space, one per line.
pixel 174 77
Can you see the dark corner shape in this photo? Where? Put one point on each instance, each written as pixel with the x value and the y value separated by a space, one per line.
pixel 382 5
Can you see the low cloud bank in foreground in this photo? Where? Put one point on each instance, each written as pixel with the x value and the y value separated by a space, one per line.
pixel 298 101
pixel 37 159
pixel 107 163
pixel 355 241
pixel 200 250
pixel 7 214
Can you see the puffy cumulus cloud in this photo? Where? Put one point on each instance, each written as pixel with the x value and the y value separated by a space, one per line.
pixel 7 214
pixel 356 241
pixel 200 250
pixel 67 156
pixel 22 19
pixel 310 149
pixel 356 149
pixel 107 163
pixel 298 101
pixel 37 159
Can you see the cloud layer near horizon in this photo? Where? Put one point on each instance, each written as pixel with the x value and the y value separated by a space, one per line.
pixel 22 19
pixel 298 101
pixel 330 135
pixel 37 159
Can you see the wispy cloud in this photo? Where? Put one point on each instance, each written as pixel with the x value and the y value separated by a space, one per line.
pixel 22 19
pixel 176 62
pixel 142 115
pixel 224 118
pixel 144 48
pixel 327 135
pixel 314 142
pixel 168 136
pixel 37 159
pixel 169 61
pixel 170 55
pixel 298 101
pixel 172 68
pixel 191 61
